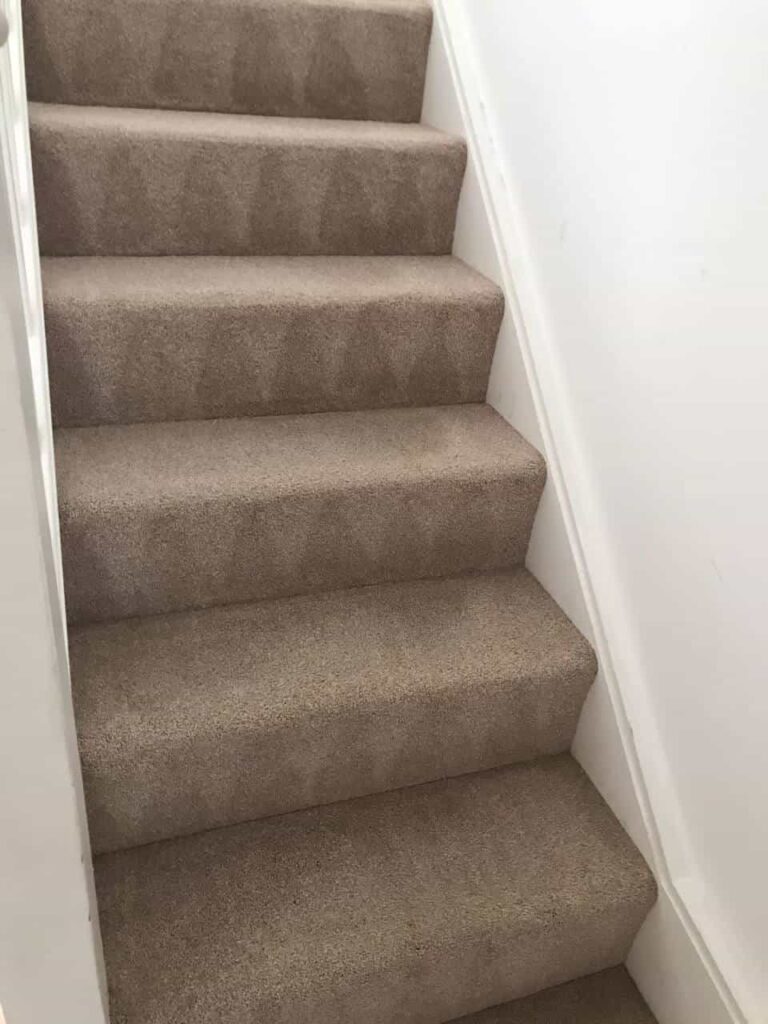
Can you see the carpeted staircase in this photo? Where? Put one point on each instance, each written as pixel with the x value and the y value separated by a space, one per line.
pixel 324 711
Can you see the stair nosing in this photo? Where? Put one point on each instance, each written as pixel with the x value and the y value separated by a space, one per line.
pixel 241 129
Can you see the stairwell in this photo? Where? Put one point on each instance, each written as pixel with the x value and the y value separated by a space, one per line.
pixel 324 712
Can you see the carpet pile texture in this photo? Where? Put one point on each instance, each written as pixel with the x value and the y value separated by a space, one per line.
pixel 324 711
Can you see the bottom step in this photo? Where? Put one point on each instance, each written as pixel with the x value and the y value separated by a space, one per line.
pixel 414 906
pixel 609 997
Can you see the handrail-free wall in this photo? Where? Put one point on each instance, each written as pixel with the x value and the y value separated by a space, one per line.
pixel 620 164
pixel 50 959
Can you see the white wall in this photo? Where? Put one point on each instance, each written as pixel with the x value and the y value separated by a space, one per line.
pixel 631 143
pixel 49 964
pixel 50 960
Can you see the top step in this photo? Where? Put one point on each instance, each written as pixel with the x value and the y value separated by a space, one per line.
pixel 358 59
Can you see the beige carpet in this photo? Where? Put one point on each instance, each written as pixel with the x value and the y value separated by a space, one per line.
pixel 324 711
pixel 609 997
pixel 181 338
pixel 120 182
pixel 159 517
pixel 343 688
pixel 295 58
pixel 411 905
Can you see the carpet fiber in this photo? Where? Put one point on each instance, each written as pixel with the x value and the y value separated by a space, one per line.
pixel 168 516
pixel 324 712
pixel 321 698
pixel 296 58
pixel 120 182
pixel 180 338
pixel 609 997
pixel 410 905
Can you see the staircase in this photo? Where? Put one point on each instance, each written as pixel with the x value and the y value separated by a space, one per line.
pixel 323 709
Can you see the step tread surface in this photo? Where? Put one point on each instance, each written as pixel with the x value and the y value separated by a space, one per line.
pixel 197 280
pixel 132 182
pixel 212 460
pixel 609 997
pixel 136 339
pixel 303 132
pixel 418 905
pixel 203 719
pixel 168 516
pixel 361 59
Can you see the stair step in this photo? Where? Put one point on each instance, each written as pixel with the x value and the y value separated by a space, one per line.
pixel 134 339
pixel 119 182
pixel 193 721
pixel 167 516
pixel 415 906
pixel 609 997
pixel 362 59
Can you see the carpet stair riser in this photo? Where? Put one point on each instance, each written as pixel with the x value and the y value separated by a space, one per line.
pixel 414 906
pixel 609 997
pixel 361 60
pixel 164 517
pixel 135 340
pixel 193 721
pixel 150 182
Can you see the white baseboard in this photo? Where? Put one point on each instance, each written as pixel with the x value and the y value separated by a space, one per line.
pixel 670 962
pixel 674 974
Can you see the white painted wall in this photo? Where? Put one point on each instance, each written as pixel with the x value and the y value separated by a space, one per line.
pixel 50 960
pixel 627 155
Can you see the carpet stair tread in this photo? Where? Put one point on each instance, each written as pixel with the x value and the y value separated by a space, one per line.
pixel 202 719
pixel 414 906
pixel 112 181
pixel 170 516
pixel 361 59
pixel 609 997
pixel 141 339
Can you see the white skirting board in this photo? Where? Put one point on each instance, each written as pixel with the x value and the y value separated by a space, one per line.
pixel 672 965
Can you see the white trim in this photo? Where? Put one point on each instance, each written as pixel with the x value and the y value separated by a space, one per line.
pixel 51 948
pixel 17 162
pixel 546 389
